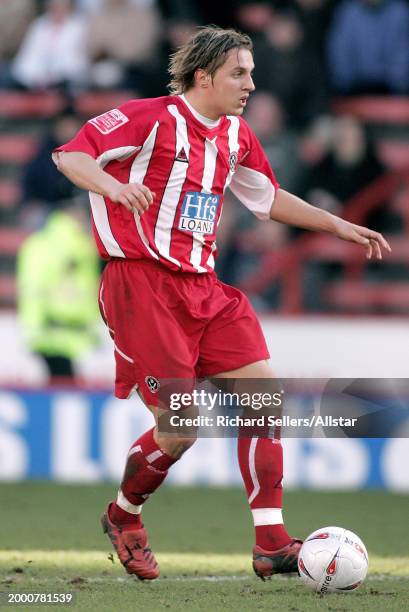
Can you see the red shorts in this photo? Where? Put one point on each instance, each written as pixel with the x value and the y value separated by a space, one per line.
pixel 174 325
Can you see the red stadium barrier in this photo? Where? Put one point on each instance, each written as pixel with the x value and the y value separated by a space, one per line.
pixel 33 105
pixel 92 104
pixel 286 266
pixel 11 240
pixel 10 193
pixel 17 148
pixel 374 109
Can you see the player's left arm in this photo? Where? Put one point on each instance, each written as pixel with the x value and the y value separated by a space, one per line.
pixel 291 210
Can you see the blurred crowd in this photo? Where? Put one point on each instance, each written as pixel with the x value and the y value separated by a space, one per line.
pixel 304 49
pixel 306 53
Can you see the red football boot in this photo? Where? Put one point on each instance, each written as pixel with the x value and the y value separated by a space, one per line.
pixel 281 561
pixel 132 548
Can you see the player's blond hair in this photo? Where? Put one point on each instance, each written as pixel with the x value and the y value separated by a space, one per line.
pixel 207 49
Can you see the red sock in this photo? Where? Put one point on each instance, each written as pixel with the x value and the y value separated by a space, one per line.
pixel 146 468
pixel 261 466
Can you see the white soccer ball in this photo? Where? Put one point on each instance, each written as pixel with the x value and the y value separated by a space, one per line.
pixel 333 559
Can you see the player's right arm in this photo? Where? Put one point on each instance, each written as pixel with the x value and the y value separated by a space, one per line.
pixel 82 170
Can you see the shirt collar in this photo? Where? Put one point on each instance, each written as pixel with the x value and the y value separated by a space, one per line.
pixel 209 123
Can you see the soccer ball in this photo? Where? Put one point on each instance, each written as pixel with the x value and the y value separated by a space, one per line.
pixel 333 559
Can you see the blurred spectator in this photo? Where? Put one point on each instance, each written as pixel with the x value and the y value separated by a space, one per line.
pixel 214 11
pixel 315 142
pixel 286 66
pixel 368 47
pixel 177 32
pixel 254 17
pixel 243 240
pixel 211 11
pixel 313 146
pixel 392 218
pixel 400 206
pixel 183 10
pixel 315 17
pixel 122 40
pixel 15 18
pixel 91 6
pixel 349 166
pixel 266 117
pixel 342 162
pixel 57 280
pixel 53 52
pixel 43 187
pixel 88 6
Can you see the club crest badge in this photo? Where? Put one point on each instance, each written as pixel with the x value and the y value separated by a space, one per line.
pixel 152 383
pixel 233 158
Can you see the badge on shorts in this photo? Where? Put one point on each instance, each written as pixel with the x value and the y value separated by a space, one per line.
pixel 153 384
pixel 110 121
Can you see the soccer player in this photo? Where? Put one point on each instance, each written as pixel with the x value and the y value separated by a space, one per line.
pixel 156 171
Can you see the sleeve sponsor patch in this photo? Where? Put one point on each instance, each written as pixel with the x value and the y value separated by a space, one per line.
pixel 109 121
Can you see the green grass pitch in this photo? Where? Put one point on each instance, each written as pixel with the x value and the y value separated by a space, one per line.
pixel 51 542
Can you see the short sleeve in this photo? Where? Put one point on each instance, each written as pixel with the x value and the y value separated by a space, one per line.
pixel 254 182
pixel 125 126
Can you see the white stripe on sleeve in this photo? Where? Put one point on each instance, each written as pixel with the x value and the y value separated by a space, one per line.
pixel 255 190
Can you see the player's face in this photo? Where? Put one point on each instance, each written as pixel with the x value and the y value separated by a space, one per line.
pixel 232 83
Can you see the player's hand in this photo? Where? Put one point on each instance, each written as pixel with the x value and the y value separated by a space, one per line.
pixel 136 197
pixel 374 242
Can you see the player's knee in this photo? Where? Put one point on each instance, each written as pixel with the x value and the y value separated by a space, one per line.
pixel 183 444
pixel 266 396
pixel 176 446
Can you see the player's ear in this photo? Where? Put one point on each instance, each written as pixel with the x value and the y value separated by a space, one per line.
pixel 202 78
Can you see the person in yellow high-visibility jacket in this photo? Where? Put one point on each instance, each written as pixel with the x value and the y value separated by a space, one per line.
pixel 57 280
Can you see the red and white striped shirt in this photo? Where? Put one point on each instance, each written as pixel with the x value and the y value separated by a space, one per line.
pixel 163 144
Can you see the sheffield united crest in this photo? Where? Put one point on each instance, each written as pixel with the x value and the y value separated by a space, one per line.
pixel 233 161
